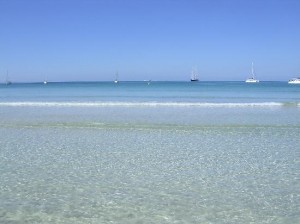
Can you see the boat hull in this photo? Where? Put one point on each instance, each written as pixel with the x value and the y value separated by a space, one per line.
pixel 294 81
pixel 252 81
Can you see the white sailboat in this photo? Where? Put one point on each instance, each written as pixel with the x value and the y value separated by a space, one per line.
pixel 294 81
pixel 194 76
pixel 252 79
pixel 117 76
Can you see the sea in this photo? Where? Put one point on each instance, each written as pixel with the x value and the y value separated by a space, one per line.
pixel 150 152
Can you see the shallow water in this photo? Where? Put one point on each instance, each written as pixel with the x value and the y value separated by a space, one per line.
pixel 141 164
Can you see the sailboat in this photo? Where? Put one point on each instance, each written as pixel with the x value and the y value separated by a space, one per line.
pixel 45 81
pixel 7 82
pixel 252 79
pixel 117 76
pixel 194 76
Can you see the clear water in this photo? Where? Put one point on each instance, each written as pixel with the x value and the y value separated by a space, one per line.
pixel 168 152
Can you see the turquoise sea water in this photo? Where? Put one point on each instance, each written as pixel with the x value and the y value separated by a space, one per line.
pixel 163 152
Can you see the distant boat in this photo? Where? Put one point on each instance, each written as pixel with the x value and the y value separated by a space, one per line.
pixel 294 81
pixel 194 76
pixel 117 76
pixel 45 81
pixel 7 81
pixel 252 79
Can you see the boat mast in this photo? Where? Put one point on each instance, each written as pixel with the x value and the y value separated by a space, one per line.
pixel 252 71
pixel 117 76
pixel 7 82
pixel 194 73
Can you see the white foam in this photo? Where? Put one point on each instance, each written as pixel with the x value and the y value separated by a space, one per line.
pixel 140 104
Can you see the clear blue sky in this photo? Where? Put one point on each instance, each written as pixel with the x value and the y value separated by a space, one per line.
pixel 71 40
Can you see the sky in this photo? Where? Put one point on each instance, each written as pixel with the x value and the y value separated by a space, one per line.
pixel 91 40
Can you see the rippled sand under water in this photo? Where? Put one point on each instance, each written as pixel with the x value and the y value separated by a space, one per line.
pixel 141 173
